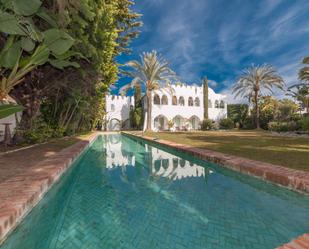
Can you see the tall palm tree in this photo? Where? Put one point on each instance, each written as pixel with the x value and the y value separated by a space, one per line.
pixel 256 81
pixel 153 72
pixel 304 72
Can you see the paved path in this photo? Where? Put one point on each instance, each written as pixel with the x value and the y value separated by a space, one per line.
pixel 26 175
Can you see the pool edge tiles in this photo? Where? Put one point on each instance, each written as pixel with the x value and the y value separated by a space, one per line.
pixel 20 194
pixel 296 180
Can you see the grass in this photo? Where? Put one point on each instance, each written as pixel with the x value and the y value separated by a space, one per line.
pixel 291 152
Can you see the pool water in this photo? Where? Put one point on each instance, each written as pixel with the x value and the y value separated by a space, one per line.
pixel 125 193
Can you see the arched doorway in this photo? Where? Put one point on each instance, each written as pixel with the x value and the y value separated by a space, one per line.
pixel 179 122
pixel 195 122
pixel 160 123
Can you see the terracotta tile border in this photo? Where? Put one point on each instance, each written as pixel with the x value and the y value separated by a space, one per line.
pixel 301 242
pixel 20 194
pixel 296 180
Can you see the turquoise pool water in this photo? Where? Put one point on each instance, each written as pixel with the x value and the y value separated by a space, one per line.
pixel 124 193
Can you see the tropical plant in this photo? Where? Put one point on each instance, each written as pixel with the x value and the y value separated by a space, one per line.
pixel 9 109
pixel 170 124
pixel 301 94
pixel 256 81
pixel 226 123
pixel 153 73
pixel 207 124
pixel 238 113
pixel 27 45
pixel 304 72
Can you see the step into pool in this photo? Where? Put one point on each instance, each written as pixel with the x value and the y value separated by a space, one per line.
pixel 127 193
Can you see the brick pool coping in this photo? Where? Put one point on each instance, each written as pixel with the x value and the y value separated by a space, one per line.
pixel 296 180
pixel 302 242
pixel 21 193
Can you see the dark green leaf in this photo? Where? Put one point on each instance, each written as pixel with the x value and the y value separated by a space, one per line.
pixel 58 41
pixel 11 55
pixel 61 64
pixel 26 7
pixel 10 25
pixel 9 109
pixel 27 44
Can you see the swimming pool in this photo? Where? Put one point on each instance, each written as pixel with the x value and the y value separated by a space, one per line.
pixel 125 193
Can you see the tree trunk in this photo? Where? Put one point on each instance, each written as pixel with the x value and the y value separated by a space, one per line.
pixel 205 100
pixel 149 109
pixel 257 110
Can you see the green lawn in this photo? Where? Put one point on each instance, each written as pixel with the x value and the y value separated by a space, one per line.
pixel 257 145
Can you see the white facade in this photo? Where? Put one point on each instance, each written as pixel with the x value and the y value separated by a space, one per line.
pixel 182 106
pixel 118 111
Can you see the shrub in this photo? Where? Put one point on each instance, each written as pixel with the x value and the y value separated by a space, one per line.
pixel 304 124
pixel 248 123
pixel 207 124
pixel 226 123
pixel 283 126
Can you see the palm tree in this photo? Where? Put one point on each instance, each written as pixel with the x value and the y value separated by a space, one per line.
pixel 153 73
pixel 301 94
pixel 304 72
pixel 255 81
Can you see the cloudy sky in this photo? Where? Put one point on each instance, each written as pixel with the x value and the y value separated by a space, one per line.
pixel 219 38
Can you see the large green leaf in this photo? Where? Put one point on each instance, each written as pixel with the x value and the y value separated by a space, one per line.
pixel 9 24
pixel 9 109
pixel 61 64
pixel 26 7
pixel 27 44
pixel 58 41
pixel 40 56
pixel 10 55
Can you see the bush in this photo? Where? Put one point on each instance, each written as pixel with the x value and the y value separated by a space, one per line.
pixel 226 123
pixel 207 124
pixel 304 124
pixel 248 123
pixel 283 126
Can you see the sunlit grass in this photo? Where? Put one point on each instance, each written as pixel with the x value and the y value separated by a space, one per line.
pixel 292 152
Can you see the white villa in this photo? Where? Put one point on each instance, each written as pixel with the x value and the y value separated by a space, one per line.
pixel 183 105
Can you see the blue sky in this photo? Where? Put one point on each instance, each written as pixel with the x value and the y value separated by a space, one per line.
pixel 219 38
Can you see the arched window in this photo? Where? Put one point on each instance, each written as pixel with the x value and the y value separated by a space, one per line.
pixel 209 104
pixel 164 100
pixel 174 100
pixel 222 104
pixel 156 99
pixel 217 104
pixel 190 101
pixel 197 101
pixel 181 101
pixel 112 107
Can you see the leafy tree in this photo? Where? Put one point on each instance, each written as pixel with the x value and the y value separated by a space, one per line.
pixel 153 72
pixel 256 81
pixel 136 114
pixel 238 113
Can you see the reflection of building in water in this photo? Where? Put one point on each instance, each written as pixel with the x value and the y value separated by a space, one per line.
pixel 167 165
pixel 116 156
pixel 161 163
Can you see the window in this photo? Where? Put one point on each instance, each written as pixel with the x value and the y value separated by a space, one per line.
pixel 164 100
pixel 156 99
pixel 112 107
pixel 190 101
pixel 174 100
pixel 222 104
pixel 209 104
pixel 197 101
pixel 181 101
pixel 217 104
